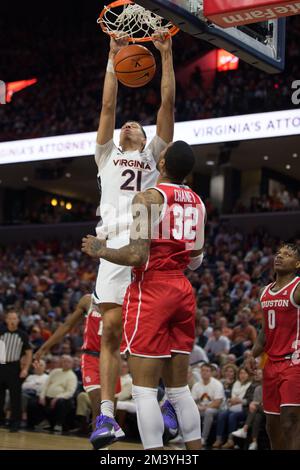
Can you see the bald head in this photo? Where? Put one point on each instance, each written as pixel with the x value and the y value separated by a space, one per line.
pixel 66 362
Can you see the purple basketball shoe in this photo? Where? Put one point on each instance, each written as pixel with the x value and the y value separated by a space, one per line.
pixel 170 422
pixel 107 431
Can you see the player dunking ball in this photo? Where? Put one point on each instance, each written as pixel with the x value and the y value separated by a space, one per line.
pixel 280 339
pixel 90 348
pixel 122 172
pixel 159 308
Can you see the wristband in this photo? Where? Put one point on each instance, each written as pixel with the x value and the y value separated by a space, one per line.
pixel 196 262
pixel 110 66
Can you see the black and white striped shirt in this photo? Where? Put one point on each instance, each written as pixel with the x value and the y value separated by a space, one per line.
pixel 15 344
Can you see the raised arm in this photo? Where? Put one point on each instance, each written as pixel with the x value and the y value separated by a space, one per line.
pixel 71 321
pixel 109 97
pixel 137 251
pixel 165 117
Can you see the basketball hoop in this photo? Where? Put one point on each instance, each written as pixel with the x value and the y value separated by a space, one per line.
pixel 124 18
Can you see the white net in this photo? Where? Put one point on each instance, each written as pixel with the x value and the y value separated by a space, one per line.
pixel 133 21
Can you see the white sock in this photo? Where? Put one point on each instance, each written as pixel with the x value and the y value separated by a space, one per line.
pixel 107 408
pixel 149 417
pixel 186 411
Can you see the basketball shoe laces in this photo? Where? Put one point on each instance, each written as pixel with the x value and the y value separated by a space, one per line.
pixel 106 423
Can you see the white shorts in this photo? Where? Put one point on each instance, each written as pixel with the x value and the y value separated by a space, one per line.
pixel 113 280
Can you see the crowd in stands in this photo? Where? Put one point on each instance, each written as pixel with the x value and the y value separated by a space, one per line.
pixel 279 201
pixel 45 280
pixel 70 71
pixel 45 213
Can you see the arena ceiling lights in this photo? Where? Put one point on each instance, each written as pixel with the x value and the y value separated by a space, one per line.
pixel 205 131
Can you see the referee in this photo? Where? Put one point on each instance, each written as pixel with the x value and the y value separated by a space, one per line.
pixel 13 345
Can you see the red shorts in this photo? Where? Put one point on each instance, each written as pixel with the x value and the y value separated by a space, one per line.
pixel 159 315
pixel 90 373
pixel 281 385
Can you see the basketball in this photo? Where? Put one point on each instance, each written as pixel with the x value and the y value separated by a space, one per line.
pixel 134 66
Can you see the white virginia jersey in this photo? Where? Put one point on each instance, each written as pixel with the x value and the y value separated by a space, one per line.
pixel 121 175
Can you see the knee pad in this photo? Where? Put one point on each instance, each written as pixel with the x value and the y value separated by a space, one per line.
pixel 187 412
pixel 150 420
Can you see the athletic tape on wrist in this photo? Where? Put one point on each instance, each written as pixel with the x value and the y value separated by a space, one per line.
pixel 110 66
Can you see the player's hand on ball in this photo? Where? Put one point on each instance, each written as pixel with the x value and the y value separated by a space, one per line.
pixel 92 246
pixel 162 41
pixel 117 44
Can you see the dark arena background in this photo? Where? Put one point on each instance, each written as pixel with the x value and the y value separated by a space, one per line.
pixel 244 126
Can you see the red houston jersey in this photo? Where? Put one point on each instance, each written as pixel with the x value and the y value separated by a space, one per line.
pixel 180 229
pixel 282 321
pixel 92 330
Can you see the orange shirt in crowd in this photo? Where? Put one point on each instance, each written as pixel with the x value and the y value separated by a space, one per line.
pixel 241 334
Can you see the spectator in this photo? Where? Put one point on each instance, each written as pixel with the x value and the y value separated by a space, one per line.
pixel 207 329
pixel 32 386
pixel 201 339
pixel 255 415
pixel 55 400
pixel 52 362
pixel 36 340
pixel 83 413
pixel 225 330
pixel 209 395
pixel 234 412
pixel 197 355
pixel 217 346
pixel 243 335
pixel 285 200
pixel 229 374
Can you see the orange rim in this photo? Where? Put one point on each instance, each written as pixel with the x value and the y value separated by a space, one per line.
pixel 118 3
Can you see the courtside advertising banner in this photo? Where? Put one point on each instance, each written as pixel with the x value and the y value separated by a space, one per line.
pixel 204 131
pixel 229 13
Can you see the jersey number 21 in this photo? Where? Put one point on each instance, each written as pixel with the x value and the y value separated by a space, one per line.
pixel 133 180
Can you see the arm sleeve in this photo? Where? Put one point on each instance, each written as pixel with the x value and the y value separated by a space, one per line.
pixel 195 262
pixel 103 153
pixel 156 146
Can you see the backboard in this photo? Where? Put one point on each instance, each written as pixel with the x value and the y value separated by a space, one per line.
pixel 261 44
